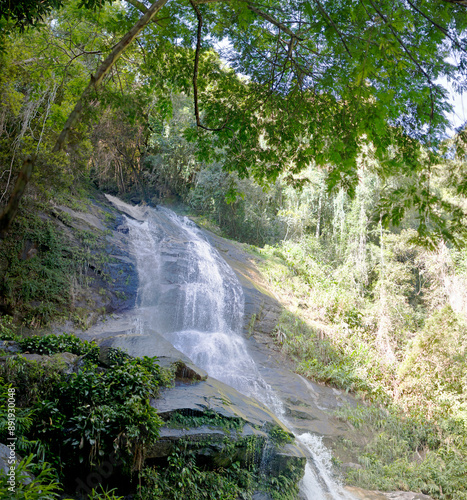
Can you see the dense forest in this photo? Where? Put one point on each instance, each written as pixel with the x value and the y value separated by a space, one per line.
pixel 315 133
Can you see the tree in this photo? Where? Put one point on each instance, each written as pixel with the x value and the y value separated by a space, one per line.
pixel 318 80
pixel 25 13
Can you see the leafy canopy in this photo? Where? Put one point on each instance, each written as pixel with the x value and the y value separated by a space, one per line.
pixel 304 82
pixel 31 12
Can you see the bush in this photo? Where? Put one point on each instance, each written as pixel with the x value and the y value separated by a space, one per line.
pixel 83 417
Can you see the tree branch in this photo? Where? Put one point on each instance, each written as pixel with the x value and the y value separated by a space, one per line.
pixel 105 68
pixel 272 20
pixel 409 53
pixel 195 71
pixel 436 25
pixel 462 3
pixel 333 24
pixel 138 5
pixel 7 216
pixel 402 44
pixel 258 12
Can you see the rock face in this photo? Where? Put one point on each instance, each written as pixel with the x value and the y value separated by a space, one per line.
pixel 9 346
pixel 112 278
pixel 8 457
pixel 215 414
pixel 152 344
pixel 226 417
pixel 262 309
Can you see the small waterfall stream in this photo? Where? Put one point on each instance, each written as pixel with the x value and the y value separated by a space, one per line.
pixel 195 300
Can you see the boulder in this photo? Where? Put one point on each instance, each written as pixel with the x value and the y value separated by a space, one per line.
pixel 9 346
pixel 65 361
pixel 235 419
pixel 154 345
pixel 7 456
pixel 213 395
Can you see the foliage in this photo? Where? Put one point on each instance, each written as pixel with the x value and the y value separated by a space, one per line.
pixel 280 436
pixel 408 453
pixel 208 417
pixel 433 375
pixel 66 342
pixel 44 275
pixel 46 268
pixel 370 311
pixel 347 81
pixel 7 328
pixel 83 416
pixel 32 12
pixel 285 486
pixel 191 481
pixel 104 494
pixel 251 217
pixel 43 487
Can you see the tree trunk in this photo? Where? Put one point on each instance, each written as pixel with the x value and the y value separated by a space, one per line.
pixel 7 216
pixel 105 68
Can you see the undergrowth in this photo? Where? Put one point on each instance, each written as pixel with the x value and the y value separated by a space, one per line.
pixel 41 271
pixel 75 420
pixel 400 350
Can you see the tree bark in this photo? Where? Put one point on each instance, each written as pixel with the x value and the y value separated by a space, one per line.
pixel 7 216
pixel 105 68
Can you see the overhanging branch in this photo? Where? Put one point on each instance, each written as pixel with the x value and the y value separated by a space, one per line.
pixel 195 70
pixel 251 6
pixel 105 68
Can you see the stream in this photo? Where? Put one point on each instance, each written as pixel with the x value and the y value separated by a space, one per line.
pixel 198 307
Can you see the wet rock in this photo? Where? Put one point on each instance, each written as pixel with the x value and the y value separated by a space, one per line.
pixel 154 345
pixel 115 282
pixel 285 458
pixel 211 394
pixel 69 362
pixel 253 422
pixel 262 309
pixel 406 495
pixel 361 494
pixel 259 495
pixel 9 346
pixel 170 437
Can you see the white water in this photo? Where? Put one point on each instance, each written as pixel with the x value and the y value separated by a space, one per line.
pixel 206 322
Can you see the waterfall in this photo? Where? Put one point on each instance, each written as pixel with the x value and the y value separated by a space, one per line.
pixel 194 299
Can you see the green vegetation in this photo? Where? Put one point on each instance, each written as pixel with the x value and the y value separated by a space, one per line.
pixel 323 139
pixel 44 487
pixel 47 268
pixel 370 311
pixel 192 480
pixel 347 80
pixel 208 417
pixel 184 479
pixel 75 420
pixel 71 421
pixel 408 453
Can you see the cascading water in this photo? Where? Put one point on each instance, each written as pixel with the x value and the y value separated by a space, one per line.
pixel 195 300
